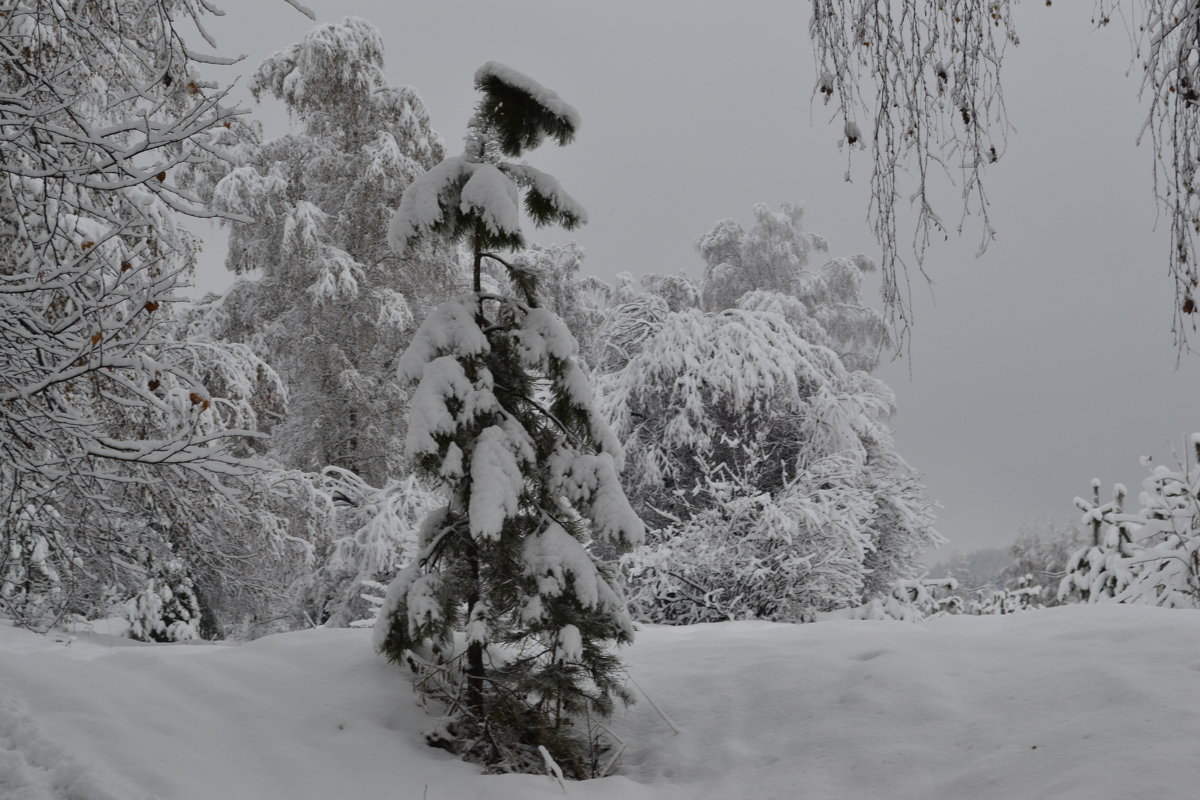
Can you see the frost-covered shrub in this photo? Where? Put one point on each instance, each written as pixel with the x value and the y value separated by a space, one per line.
pixel 734 417
pixel 753 555
pixel 1024 595
pixel 375 536
pixel 912 600
pixel 730 418
pixel 715 388
pixel 29 579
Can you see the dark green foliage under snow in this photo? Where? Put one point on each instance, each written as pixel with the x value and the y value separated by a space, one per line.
pixel 506 614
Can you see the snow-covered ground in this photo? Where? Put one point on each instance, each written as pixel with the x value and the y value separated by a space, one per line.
pixel 1078 702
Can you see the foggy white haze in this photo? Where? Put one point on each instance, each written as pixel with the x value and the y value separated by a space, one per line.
pixel 1044 363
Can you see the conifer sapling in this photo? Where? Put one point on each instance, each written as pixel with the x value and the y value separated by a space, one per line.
pixel 505 598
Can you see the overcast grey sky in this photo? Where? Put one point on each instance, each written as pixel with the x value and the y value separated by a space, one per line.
pixel 1045 363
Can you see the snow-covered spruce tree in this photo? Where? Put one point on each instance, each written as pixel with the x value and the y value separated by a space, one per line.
pixel 1166 535
pixel 109 444
pixel 1102 570
pixel 166 609
pixel 503 416
pixel 1151 556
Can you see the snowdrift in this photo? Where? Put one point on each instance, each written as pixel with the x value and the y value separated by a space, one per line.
pixel 1076 702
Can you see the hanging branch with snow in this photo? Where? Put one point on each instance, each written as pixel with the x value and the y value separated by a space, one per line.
pixel 919 85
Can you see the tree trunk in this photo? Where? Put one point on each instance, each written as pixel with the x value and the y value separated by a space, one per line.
pixel 475 672
pixel 478 247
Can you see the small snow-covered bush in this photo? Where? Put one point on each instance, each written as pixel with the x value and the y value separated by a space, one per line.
pixel 374 594
pixel 912 600
pixel 1024 595
pixel 29 581
pixel 166 609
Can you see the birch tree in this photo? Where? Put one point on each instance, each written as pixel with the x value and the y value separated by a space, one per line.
pixel 765 470
pixel 320 296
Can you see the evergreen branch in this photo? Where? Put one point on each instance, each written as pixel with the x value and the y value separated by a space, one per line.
pixel 545 412
pixel 507 265
pixel 427 551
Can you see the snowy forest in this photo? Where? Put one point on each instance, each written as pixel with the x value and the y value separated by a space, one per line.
pixel 424 499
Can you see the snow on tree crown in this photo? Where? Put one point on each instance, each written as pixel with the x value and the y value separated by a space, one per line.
pixel 333 60
pixel 469 195
pixel 521 111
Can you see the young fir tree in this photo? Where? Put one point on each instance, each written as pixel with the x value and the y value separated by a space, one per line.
pixel 1103 570
pixel 1149 556
pixel 166 609
pixel 503 416
pixel 1163 538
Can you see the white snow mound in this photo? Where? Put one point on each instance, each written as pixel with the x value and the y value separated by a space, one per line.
pixel 1076 702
